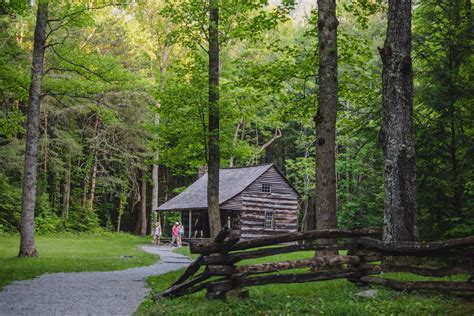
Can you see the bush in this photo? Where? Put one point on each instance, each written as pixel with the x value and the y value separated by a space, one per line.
pixel 46 221
pixel 10 206
pixel 83 220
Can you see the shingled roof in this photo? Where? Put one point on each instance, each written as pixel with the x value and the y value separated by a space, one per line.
pixel 232 181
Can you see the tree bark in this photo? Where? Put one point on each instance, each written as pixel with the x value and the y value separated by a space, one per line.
pixel 400 210
pixel 85 186
pixel 325 119
pixel 93 182
pixel 46 143
pixel 155 171
pixel 66 188
pixel 27 229
pixel 213 141
pixel 94 163
pixel 141 220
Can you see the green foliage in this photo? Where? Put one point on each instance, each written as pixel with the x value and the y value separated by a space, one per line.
pixel 46 221
pixel 83 221
pixel 443 50
pixel 10 206
pixel 125 86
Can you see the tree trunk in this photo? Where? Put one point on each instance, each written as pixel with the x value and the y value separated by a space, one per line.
pixel 85 186
pixel 27 229
pixel 397 126
pixel 66 188
pixel 46 140
pixel 155 171
pixel 213 142
pixel 234 140
pixel 325 118
pixel 93 182
pixel 141 219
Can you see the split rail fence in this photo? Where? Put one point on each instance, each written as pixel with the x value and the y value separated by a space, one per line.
pixel 216 269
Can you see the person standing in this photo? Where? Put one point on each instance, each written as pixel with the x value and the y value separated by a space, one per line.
pixel 157 234
pixel 181 234
pixel 175 234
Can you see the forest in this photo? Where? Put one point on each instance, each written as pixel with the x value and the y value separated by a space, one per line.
pixel 128 107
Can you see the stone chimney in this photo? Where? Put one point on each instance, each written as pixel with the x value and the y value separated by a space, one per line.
pixel 202 171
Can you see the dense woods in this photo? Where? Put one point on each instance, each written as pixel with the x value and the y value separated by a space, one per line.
pixel 127 100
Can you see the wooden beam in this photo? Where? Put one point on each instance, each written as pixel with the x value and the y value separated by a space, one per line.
pixel 190 225
pixel 252 254
pixel 180 289
pixel 208 248
pixel 315 263
pixel 227 284
pixel 445 286
pixel 434 272
pixel 416 248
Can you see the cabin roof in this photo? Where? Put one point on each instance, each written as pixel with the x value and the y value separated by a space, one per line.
pixel 232 181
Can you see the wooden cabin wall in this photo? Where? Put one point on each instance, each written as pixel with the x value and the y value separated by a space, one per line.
pixel 272 177
pixel 252 218
pixel 234 203
pixel 282 201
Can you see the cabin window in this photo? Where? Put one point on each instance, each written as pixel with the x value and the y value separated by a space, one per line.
pixel 269 220
pixel 266 187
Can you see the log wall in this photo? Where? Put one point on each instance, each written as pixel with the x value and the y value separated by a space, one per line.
pixel 278 183
pixel 254 207
pixel 282 201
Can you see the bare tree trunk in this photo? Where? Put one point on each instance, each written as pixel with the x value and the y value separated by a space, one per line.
pixel 141 220
pixel 27 229
pixel 325 119
pixel 213 142
pixel 234 140
pixel 397 126
pixel 66 188
pixel 45 129
pixel 155 171
pixel 85 186
pixel 156 186
pixel 94 149
pixel 93 182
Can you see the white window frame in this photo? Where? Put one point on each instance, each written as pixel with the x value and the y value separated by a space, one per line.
pixel 271 221
pixel 267 185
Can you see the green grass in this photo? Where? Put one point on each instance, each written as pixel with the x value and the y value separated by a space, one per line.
pixel 336 297
pixel 72 253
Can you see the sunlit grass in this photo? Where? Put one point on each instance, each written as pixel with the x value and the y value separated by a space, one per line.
pixel 72 253
pixel 336 297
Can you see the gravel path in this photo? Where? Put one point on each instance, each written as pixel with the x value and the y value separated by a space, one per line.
pixel 87 293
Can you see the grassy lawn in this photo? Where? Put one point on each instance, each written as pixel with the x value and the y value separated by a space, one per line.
pixel 337 297
pixel 72 253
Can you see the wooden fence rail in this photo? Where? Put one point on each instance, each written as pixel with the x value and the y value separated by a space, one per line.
pixel 216 271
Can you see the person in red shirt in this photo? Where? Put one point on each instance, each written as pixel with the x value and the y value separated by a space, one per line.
pixel 175 234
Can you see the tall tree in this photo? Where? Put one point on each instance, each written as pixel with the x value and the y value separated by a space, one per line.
pixel 140 228
pixel 325 119
pixel 396 134
pixel 27 230
pixel 213 124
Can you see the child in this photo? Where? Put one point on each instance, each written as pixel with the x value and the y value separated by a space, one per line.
pixel 157 234
pixel 181 234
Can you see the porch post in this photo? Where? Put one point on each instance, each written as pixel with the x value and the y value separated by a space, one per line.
pixel 190 215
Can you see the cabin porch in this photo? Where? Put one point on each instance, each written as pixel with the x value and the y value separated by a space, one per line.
pixel 196 221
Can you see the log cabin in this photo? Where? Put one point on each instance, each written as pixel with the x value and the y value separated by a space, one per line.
pixel 255 201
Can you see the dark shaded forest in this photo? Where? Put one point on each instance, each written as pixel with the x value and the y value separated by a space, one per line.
pixel 124 108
